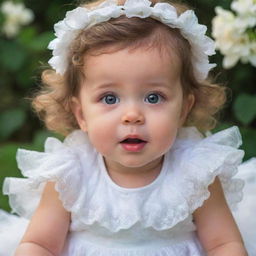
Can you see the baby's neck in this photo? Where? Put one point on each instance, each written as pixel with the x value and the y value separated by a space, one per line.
pixel 134 177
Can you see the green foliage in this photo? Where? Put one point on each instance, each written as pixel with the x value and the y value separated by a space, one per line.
pixel 8 168
pixel 41 42
pixel 21 59
pixel 11 120
pixel 13 55
pixel 249 140
pixel 245 108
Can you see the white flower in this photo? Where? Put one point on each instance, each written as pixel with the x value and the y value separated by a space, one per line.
pixel 77 18
pixel 230 32
pixel 60 29
pixel 81 18
pixel 230 61
pixel 16 15
pixel 104 14
pixel 223 26
pixel 246 10
pixel 137 8
pixel 165 13
pixel 244 7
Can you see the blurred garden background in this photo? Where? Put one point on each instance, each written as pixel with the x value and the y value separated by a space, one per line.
pixel 26 28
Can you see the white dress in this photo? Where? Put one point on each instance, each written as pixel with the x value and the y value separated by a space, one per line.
pixel 109 220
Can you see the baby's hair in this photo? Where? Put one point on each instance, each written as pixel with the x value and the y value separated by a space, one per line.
pixel 53 102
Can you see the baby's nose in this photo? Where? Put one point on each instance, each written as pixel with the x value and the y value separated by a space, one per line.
pixel 133 116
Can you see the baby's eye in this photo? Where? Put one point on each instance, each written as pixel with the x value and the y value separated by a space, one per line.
pixel 154 98
pixel 110 99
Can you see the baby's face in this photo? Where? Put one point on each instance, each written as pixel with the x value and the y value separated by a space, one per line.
pixel 131 104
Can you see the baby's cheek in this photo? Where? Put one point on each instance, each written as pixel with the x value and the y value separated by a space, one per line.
pixel 166 133
pixel 100 139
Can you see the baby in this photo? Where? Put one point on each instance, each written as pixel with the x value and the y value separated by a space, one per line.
pixel 136 174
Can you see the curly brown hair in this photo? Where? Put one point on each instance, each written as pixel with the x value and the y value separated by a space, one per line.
pixel 53 101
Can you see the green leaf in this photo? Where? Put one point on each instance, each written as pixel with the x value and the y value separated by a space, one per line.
pixel 41 42
pixel 12 55
pixel 245 108
pixel 26 79
pixel 11 120
pixel 8 168
pixel 249 142
pixel 7 160
pixel 222 126
pixel 27 35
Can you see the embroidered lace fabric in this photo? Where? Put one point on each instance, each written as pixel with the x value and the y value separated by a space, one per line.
pixel 111 220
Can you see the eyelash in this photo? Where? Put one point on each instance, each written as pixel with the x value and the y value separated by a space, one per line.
pixel 109 94
pixel 160 94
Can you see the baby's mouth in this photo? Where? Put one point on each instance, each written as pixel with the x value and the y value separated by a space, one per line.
pixel 133 141
pixel 133 144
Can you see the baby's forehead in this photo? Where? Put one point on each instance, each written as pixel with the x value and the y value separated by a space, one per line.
pixel 143 60
pixel 160 46
pixel 142 67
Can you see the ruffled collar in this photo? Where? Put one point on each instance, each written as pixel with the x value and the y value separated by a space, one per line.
pixel 87 192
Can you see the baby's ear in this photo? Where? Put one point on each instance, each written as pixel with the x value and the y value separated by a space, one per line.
pixel 77 110
pixel 188 104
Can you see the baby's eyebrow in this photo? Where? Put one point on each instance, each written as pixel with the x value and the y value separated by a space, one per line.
pixel 105 85
pixel 158 83
pixel 165 84
pixel 145 83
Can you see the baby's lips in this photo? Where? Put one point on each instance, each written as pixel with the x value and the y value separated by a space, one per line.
pixel 133 139
pixel 134 144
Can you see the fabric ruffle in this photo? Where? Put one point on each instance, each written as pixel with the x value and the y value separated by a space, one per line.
pixel 60 163
pixel 192 164
pixel 215 155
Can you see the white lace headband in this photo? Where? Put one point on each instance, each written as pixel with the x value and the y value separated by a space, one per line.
pixel 82 18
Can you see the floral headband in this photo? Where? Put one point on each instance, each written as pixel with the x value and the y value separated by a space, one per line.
pixel 80 18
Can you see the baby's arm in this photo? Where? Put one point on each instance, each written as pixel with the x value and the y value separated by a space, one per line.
pixel 216 228
pixel 48 228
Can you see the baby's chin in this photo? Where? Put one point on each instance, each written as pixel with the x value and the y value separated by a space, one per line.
pixel 135 163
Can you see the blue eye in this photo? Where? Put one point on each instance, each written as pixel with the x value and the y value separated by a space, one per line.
pixel 153 98
pixel 110 99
